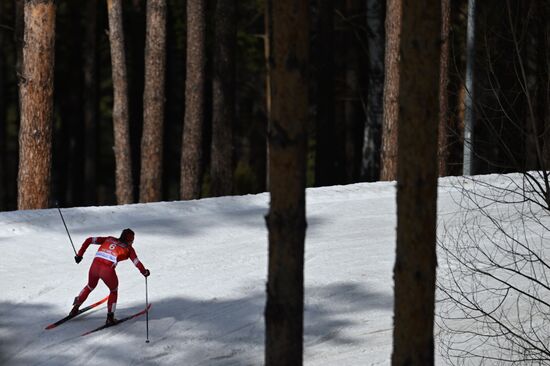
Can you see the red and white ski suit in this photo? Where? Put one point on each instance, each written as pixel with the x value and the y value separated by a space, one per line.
pixel 111 251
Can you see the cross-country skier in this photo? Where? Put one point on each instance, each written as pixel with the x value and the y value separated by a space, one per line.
pixel 111 251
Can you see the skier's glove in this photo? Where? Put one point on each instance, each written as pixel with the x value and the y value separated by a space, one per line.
pixel 77 258
pixel 146 273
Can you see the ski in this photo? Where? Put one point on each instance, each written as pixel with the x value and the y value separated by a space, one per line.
pixel 119 321
pixel 69 317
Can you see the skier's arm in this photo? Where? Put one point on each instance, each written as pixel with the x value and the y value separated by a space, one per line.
pixel 87 242
pixel 137 262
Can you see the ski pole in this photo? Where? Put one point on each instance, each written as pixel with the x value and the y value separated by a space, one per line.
pixel 146 311
pixel 62 219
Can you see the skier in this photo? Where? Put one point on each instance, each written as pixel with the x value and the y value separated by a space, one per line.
pixel 111 251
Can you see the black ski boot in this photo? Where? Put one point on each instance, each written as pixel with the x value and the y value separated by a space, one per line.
pixel 76 306
pixel 111 320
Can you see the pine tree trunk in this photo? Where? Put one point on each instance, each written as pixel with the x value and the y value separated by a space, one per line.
pixel 191 157
pixel 286 220
pixel 90 97
pixel 444 128
pixel 153 103
pixel 221 165
pixel 124 185
pixel 370 166
pixel 456 86
pixel 3 125
pixel 543 81
pixel 36 105
pixel 417 172
pixel 388 154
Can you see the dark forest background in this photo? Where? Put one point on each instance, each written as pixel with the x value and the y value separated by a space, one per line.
pixel 339 56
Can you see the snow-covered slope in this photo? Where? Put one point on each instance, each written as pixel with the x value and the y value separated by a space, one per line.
pixel 208 262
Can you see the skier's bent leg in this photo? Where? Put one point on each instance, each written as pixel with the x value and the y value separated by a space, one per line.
pixel 92 283
pixel 111 280
pixel 111 303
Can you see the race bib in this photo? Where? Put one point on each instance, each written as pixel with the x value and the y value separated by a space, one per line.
pixel 107 256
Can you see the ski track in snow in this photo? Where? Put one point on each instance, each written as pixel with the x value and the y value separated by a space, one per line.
pixel 208 262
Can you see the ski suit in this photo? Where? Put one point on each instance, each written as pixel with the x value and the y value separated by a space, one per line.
pixel 111 251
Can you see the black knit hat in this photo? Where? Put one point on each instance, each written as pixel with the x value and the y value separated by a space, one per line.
pixel 127 236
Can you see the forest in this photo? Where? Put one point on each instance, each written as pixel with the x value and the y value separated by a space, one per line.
pixel 494 86
pixel 117 102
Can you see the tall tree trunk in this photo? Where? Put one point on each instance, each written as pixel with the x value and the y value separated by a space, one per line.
pixel 543 81
pixel 36 105
pixel 388 155
pixel 417 171
pixel 370 166
pixel 286 220
pixel 444 128
pixel 223 119
pixel 3 125
pixel 90 100
pixel 324 126
pixel 469 118
pixel 153 103
pixel 456 86
pixel 124 185
pixel 191 156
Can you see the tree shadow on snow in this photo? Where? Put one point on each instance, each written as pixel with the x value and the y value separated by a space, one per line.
pixel 184 330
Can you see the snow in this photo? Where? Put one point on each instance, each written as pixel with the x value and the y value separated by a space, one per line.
pixel 208 262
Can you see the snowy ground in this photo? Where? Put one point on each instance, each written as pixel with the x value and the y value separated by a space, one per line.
pixel 208 262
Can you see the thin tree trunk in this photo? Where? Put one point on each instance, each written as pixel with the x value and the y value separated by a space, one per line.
pixel 417 171
pixel 370 166
pixel 90 97
pixel 456 87
pixel 543 81
pixel 388 154
pixel 444 128
pixel 153 103
pixel 469 116
pixel 191 157
pixel 36 105
pixel 286 220
pixel 3 125
pixel 124 185
pixel 221 165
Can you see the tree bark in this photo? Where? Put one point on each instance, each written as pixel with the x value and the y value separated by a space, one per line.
pixel 286 221
pixel 191 156
pixel 124 185
pixel 3 112
pixel 223 119
pixel 417 171
pixel 153 103
pixel 444 128
pixel 370 166
pixel 388 154
pixel 36 90
pixel 543 81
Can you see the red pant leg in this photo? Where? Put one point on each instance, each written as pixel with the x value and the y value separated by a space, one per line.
pixel 93 278
pixel 108 275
